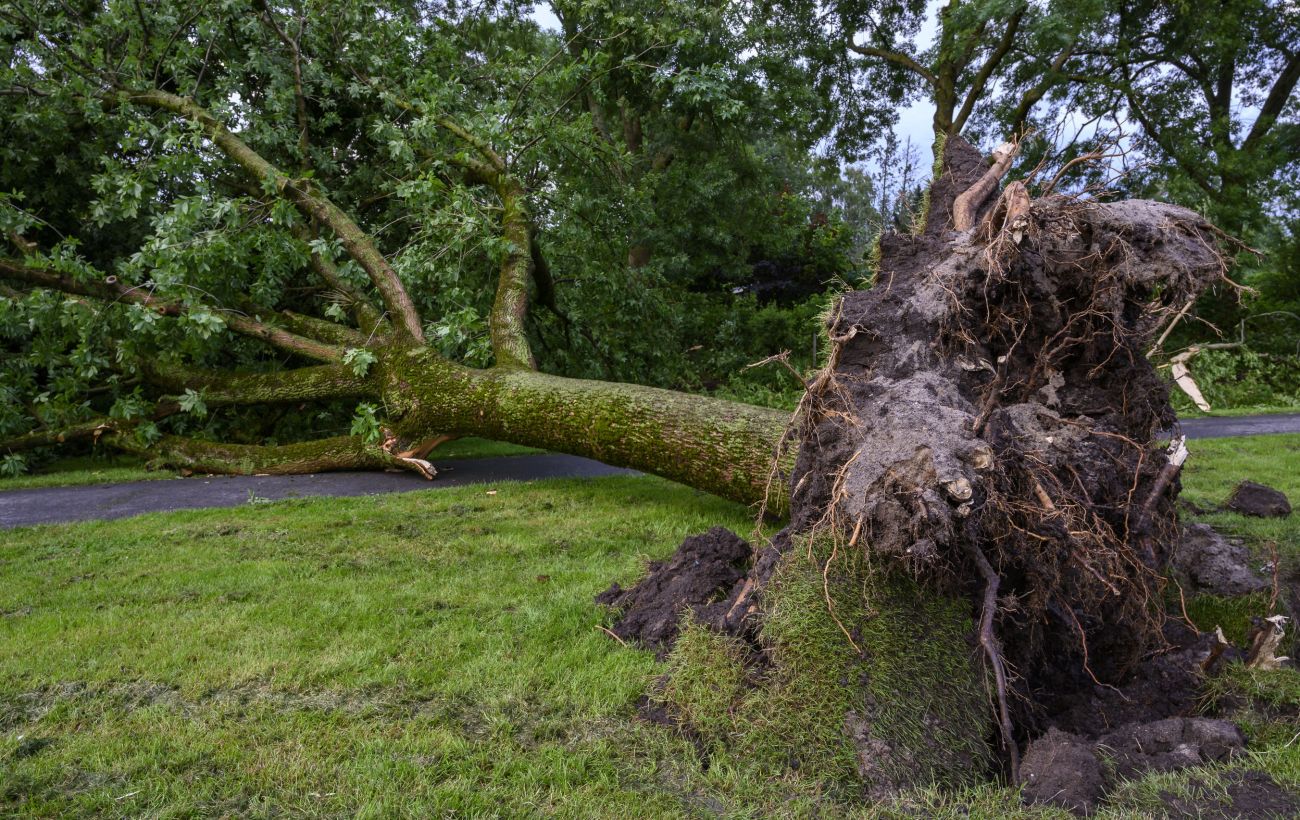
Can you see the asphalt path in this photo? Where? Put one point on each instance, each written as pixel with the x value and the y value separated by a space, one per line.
pixel 1225 427
pixel 102 502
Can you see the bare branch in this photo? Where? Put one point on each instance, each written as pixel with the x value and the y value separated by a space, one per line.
pixel 895 57
pixel 1274 104
pixel 990 65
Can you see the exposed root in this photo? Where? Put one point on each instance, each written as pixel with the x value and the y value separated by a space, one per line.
pixel 993 651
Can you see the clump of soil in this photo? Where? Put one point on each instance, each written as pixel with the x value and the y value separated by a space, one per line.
pixel 702 571
pixel 1074 772
pixel 1061 769
pixel 1208 562
pixel 986 426
pixel 1259 500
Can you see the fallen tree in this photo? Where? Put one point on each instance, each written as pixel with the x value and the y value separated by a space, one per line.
pixel 980 513
pixel 979 516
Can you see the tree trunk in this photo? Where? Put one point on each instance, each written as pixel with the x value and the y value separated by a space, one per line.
pixel 722 447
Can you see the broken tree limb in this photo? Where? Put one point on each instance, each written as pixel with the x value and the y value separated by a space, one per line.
pixel 1178 453
pixel 1182 375
pixel 1266 636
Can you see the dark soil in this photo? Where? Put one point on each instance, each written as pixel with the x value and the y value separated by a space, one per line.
pixel 1205 561
pixel 1061 769
pixel 698 577
pixel 1260 500
pixel 1162 686
pixel 1252 795
pixel 1074 772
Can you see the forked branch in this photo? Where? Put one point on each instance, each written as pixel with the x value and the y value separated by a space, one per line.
pixel 311 202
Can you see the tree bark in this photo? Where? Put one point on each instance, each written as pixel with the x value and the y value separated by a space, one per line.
pixel 722 447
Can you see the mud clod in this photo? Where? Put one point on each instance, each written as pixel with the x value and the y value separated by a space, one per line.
pixel 1169 744
pixel 1074 772
pixel 1208 562
pixel 1259 500
pixel 1060 769
pixel 698 575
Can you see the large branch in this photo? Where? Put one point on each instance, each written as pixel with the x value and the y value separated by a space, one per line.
pixel 321 329
pixel 299 384
pixel 112 291
pixel 510 346
pixel 990 65
pixel 1035 94
pixel 322 455
pixel 1274 104
pixel 356 241
pixel 895 57
pixel 56 436
pixel 722 447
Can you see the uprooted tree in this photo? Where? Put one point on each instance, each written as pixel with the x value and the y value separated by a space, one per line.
pixel 979 515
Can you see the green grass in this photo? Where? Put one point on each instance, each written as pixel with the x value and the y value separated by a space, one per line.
pixel 76 470
pixel 115 469
pixel 405 654
pixel 428 654
pixel 1215 466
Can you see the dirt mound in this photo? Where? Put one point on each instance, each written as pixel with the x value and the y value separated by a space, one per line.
pixel 1260 500
pixel 1060 769
pixel 1066 770
pixel 1208 562
pixel 702 571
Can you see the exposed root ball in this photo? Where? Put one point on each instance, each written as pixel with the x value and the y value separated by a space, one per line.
pixel 985 426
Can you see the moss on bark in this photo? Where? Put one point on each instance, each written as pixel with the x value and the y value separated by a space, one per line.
pixel 718 446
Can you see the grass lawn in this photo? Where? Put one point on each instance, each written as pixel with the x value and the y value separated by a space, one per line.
pixel 424 654
pixel 112 469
